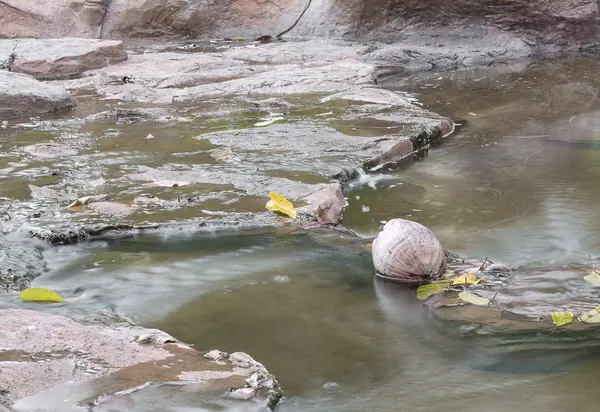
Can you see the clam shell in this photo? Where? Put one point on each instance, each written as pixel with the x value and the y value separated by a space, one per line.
pixel 408 252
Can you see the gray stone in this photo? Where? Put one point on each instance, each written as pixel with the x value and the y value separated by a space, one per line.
pixel 21 94
pixel 21 261
pixel 60 58
pixel 55 355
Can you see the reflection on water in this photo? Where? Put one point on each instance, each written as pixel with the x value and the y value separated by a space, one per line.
pixel 519 185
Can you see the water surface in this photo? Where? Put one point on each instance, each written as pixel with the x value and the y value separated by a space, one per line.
pixel 518 184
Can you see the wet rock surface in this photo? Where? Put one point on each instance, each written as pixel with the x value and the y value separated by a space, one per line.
pixel 21 94
pixel 59 58
pixel 300 119
pixel 44 355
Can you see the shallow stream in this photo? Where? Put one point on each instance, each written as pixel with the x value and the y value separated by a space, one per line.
pixel 517 184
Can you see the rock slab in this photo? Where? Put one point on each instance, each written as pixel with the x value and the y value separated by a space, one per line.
pixel 45 356
pixel 21 94
pixel 60 58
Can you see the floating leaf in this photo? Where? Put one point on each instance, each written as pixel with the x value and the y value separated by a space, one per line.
pixel 562 318
pixel 237 39
pixel 279 204
pixel 40 295
pixel 591 316
pixel 425 291
pixel 593 278
pixel 467 279
pixel 473 299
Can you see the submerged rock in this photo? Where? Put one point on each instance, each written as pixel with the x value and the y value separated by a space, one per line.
pixel 45 151
pixel 20 263
pixel 21 94
pixel 45 356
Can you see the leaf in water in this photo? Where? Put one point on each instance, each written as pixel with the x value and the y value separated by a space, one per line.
pixel 593 278
pixel 591 316
pixel 237 39
pixel 279 204
pixel 562 318
pixel 467 279
pixel 425 291
pixel 473 299
pixel 40 295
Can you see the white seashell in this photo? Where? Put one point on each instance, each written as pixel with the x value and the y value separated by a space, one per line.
pixel 407 251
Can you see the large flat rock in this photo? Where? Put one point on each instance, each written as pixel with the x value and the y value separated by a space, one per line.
pixel 45 358
pixel 21 94
pixel 60 58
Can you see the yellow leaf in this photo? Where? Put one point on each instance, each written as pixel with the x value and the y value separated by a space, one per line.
pixel 237 39
pixel 473 299
pixel 467 279
pixel 40 295
pixel 433 288
pixel 279 204
pixel 592 316
pixel 562 318
pixel 593 278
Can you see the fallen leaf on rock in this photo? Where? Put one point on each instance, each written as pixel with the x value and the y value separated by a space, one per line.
pixel 562 318
pixel 591 316
pixel 279 204
pixel 433 288
pixel 467 279
pixel 473 299
pixel 40 295
pixel 593 278
pixel 82 201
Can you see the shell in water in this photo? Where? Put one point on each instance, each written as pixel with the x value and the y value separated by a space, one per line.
pixel 407 251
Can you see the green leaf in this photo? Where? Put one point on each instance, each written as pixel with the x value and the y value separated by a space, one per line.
pixel 473 299
pixel 433 288
pixel 40 295
pixel 562 318
pixel 593 278
pixel 591 316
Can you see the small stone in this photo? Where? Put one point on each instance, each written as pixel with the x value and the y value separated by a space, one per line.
pixel 216 355
pixel 243 394
pixel 330 385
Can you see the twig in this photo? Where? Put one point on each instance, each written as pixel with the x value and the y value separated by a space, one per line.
pixel 494 297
